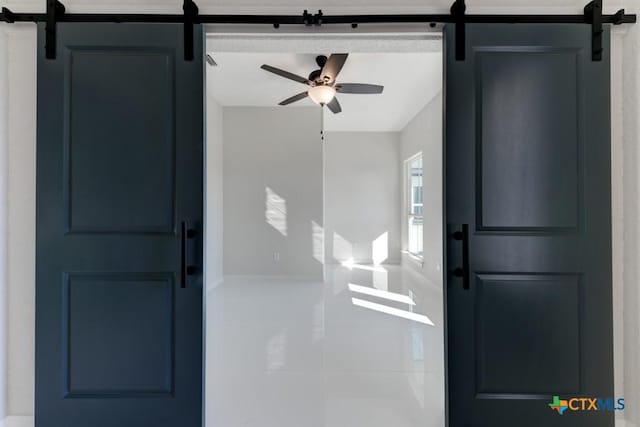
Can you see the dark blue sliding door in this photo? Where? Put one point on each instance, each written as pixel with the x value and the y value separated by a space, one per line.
pixel 528 204
pixel 119 187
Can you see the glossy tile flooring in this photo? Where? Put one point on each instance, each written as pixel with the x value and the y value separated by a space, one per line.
pixel 355 350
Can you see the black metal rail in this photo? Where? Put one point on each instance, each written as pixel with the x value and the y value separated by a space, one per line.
pixel 56 13
pixel 10 17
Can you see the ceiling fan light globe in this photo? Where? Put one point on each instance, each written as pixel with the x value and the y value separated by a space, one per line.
pixel 322 94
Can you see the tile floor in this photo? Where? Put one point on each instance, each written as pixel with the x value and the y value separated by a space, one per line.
pixel 355 350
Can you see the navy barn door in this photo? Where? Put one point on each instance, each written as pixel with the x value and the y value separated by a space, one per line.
pixel 119 169
pixel 528 190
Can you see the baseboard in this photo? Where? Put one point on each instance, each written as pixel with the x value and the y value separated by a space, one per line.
pixel 214 284
pixel 272 277
pixel 18 421
pixel 413 263
pixel 367 261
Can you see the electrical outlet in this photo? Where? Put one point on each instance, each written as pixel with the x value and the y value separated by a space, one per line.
pixel 276 256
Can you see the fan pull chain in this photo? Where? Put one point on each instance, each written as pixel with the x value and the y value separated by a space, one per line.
pixel 322 123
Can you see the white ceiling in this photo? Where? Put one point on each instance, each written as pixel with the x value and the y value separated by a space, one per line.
pixel 410 80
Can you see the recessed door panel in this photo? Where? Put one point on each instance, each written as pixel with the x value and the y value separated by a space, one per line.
pixel 528 175
pixel 116 147
pixel 528 334
pixel 118 334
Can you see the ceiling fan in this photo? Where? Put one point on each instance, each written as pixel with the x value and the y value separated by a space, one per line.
pixel 322 82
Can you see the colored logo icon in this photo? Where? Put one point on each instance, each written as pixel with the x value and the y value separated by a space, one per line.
pixel 559 405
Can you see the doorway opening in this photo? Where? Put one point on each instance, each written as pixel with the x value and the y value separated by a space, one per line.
pixel 324 290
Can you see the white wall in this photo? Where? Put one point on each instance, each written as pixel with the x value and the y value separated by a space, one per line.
pixel 214 222
pixel 213 191
pixel 362 203
pixel 631 219
pixel 424 134
pixel 4 90
pixel 272 191
pixel 20 214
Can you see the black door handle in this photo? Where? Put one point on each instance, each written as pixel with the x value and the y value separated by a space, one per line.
pixel 187 267
pixel 463 271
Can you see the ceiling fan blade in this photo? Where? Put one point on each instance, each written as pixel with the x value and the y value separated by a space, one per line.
pixel 333 66
pixel 334 106
pixel 285 74
pixel 360 88
pixel 294 98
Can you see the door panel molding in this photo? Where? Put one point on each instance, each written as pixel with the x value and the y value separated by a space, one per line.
pixel 119 63
pixel 563 145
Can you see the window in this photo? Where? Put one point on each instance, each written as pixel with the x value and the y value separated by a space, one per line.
pixel 415 205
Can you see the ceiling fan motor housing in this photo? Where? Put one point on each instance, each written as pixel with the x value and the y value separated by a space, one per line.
pixel 314 77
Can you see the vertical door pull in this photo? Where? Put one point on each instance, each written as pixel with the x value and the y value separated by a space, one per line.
pixel 187 267
pixel 464 270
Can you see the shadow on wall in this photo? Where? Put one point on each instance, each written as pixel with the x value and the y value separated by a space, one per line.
pixel 272 192
pixel 276 216
pixel 380 249
pixel 317 239
pixel 276 211
pixel 362 199
pixel 343 250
